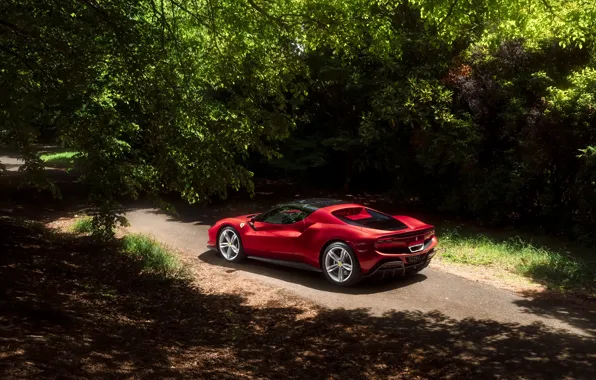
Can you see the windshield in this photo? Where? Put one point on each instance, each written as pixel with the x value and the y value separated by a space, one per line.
pixel 283 215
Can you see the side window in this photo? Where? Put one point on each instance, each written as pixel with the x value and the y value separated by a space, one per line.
pixel 294 215
pixel 283 215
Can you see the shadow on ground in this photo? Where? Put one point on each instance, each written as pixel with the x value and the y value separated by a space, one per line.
pixel 24 201
pixel 71 307
pixel 310 279
pixel 568 308
pixel 560 306
pixel 208 214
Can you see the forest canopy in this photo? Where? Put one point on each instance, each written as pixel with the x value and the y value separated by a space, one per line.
pixel 488 105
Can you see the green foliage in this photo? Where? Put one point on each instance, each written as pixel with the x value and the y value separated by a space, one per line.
pixel 156 95
pixel 61 159
pixel 476 107
pixel 541 264
pixel 83 225
pixel 154 257
pixel 486 111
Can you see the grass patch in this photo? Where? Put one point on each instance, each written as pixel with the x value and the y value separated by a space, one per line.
pixel 155 258
pixel 83 225
pixel 549 267
pixel 60 159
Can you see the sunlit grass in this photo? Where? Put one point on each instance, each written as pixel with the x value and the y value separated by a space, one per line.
pixel 83 225
pixel 60 159
pixel 155 258
pixel 552 268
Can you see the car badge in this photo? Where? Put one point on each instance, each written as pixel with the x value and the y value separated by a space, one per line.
pixel 241 225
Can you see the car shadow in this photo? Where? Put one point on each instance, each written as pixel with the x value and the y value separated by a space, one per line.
pixel 314 280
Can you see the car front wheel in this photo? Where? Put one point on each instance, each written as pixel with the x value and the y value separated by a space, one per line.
pixel 340 265
pixel 229 245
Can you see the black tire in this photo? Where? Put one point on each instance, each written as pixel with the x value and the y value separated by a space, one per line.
pixel 230 255
pixel 355 274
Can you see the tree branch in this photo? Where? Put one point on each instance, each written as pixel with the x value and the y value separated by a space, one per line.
pixel 550 9
pixel 33 69
pixel 264 13
pixel 197 16
pixel 13 27
pixel 449 12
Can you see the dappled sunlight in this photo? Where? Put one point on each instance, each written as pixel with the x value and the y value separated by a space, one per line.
pixel 60 159
pixel 574 309
pixel 98 315
pixel 70 306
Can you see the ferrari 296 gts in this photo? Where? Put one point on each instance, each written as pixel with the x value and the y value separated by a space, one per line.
pixel 345 241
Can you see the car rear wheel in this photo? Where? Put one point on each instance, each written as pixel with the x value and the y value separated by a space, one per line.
pixel 340 265
pixel 229 245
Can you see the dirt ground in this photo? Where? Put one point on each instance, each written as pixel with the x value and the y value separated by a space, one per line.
pixel 73 308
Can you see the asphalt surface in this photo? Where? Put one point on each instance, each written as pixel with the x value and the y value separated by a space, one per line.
pixel 11 163
pixel 431 290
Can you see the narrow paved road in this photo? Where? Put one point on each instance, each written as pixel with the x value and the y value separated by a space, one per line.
pixel 11 163
pixel 432 289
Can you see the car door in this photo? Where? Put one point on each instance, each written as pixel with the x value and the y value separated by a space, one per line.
pixel 274 234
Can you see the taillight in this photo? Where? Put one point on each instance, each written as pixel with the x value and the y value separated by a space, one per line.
pixel 429 234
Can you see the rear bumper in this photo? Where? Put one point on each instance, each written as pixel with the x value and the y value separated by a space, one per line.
pixel 396 267
pixel 372 260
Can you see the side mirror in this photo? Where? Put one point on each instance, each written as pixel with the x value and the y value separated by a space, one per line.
pixel 251 223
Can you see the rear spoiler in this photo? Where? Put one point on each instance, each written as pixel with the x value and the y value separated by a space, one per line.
pixel 410 233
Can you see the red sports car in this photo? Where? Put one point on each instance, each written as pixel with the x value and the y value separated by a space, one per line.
pixel 345 241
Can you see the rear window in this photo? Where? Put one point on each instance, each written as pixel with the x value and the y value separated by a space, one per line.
pixel 365 217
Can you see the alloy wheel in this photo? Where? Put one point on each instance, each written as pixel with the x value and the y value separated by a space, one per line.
pixel 338 264
pixel 229 244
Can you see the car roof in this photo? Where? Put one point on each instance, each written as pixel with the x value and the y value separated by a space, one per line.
pixel 312 204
